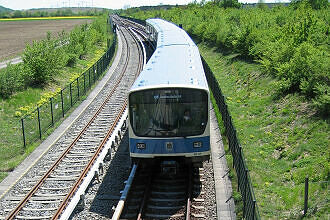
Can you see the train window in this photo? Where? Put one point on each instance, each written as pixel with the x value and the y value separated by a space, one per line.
pixel 172 112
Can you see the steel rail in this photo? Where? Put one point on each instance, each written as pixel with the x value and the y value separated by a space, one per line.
pixel 189 194
pixel 145 197
pixel 52 168
pixel 121 203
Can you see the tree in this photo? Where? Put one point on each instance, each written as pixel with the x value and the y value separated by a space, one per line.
pixel 228 3
pixel 17 14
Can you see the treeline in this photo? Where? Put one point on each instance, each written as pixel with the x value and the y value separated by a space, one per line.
pixel 291 43
pixel 44 59
pixel 56 13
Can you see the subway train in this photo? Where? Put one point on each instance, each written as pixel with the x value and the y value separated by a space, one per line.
pixel 169 101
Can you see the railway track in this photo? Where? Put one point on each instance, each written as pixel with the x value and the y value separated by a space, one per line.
pixel 157 195
pixel 50 190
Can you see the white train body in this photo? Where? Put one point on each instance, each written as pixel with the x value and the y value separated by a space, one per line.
pixel 169 102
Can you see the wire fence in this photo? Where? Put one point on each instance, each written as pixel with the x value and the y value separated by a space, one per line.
pixel 250 207
pixel 45 116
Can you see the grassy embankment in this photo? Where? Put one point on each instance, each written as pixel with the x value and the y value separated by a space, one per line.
pixel 12 151
pixel 279 124
pixel 282 139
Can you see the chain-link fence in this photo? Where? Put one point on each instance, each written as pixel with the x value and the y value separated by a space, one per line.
pixel 250 208
pixel 45 116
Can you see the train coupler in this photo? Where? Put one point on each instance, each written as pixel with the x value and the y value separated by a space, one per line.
pixel 169 167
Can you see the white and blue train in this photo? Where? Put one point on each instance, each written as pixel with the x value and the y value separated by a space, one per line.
pixel 169 101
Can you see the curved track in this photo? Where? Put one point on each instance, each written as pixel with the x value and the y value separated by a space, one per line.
pixel 52 188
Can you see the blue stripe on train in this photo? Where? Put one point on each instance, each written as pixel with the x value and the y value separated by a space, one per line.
pixel 159 146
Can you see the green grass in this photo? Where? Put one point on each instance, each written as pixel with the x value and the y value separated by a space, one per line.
pixel 282 138
pixel 12 151
pixel 10 135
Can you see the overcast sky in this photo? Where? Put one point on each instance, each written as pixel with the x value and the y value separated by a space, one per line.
pixel 113 4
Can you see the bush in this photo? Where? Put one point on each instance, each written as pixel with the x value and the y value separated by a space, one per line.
pixel 322 100
pixel 11 80
pixel 76 41
pixel 71 60
pixel 42 60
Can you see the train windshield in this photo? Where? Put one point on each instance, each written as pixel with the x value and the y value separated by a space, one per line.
pixel 170 112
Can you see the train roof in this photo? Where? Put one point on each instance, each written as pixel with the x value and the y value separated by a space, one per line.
pixel 175 63
pixel 169 33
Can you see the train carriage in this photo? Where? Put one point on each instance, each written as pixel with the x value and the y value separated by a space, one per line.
pixel 169 102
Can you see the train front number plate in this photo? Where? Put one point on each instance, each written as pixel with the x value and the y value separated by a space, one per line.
pixel 169 146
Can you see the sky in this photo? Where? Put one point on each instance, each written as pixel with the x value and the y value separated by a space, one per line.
pixel 113 4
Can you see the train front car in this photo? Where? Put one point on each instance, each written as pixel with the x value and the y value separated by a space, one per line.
pixel 169 101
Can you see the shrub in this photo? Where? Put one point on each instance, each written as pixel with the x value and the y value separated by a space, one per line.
pixel 322 100
pixel 76 41
pixel 71 60
pixel 11 80
pixel 42 60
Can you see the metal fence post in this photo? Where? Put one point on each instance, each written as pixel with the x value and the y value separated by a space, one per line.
pixel 62 103
pixel 254 209
pixel 78 87
pixel 97 69
pixel 85 82
pixel 71 94
pixel 22 120
pixel 94 72
pixel 306 197
pixel 100 67
pixel 89 77
pixel 39 122
pixel 51 110
pixel 245 193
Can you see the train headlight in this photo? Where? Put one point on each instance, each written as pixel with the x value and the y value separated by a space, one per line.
pixel 198 144
pixel 141 146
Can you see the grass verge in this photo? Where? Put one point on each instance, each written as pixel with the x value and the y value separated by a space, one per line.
pixel 282 138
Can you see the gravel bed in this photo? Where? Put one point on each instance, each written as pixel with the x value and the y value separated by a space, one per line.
pixel 101 198
pixel 208 188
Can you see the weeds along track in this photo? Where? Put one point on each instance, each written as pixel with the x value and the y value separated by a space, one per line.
pixel 48 188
